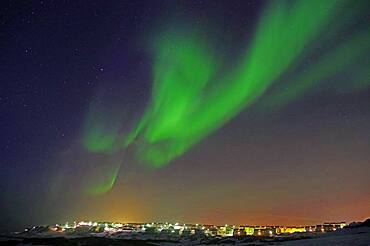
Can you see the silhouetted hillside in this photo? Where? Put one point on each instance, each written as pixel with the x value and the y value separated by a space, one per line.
pixel 366 223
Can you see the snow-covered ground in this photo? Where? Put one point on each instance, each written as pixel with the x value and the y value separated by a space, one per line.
pixel 348 237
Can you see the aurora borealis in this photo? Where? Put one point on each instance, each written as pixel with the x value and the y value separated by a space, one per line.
pixel 171 110
pixel 189 101
pixel 191 97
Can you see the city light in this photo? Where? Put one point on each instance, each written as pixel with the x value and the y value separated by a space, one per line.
pixel 181 231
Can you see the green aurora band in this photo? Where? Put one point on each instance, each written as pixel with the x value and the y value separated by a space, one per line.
pixel 105 181
pixel 191 98
pixel 327 66
pixel 100 137
pixel 189 102
pixel 100 132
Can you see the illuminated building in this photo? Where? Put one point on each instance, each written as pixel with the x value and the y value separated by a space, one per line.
pixel 320 228
pixel 333 226
pixel 265 231
pixel 212 232
pixel 310 228
pixel 282 230
pixel 249 230
pixel 225 231
pixel 239 232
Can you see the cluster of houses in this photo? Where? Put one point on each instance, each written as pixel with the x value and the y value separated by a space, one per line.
pixel 163 230
pixel 278 230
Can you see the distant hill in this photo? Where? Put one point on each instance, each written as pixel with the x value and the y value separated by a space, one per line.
pixel 366 223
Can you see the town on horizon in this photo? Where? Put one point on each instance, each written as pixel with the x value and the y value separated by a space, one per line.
pixel 186 229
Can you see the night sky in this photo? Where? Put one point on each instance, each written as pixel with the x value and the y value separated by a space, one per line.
pixel 237 112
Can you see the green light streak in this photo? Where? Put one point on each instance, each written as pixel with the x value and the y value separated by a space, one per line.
pixel 100 137
pixel 99 141
pixel 100 131
pixel 182 70
pixel 189 102
pixel 105 182
pixel 192 95
pixel 327 66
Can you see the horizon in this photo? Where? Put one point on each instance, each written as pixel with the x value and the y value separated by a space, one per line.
pixel 188 223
